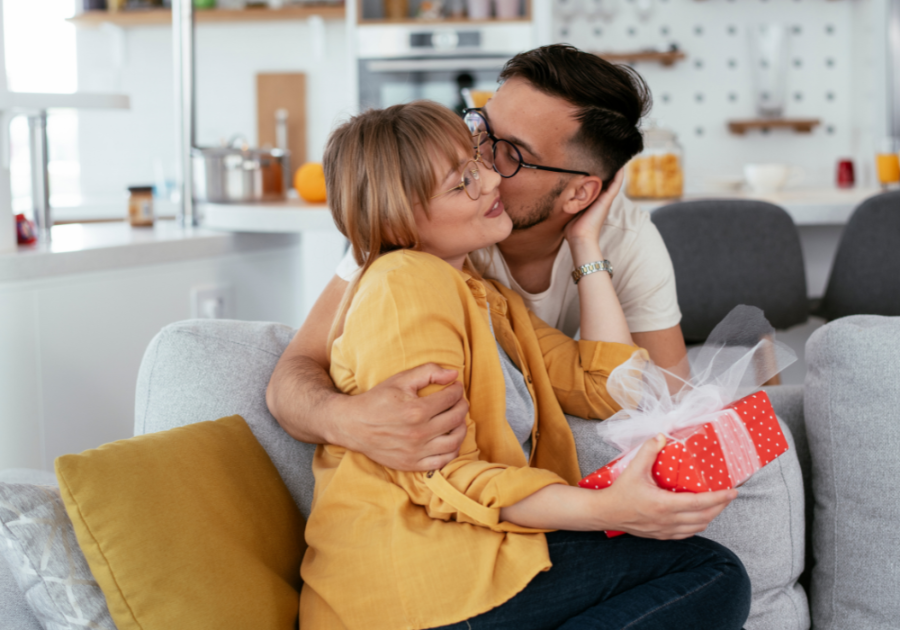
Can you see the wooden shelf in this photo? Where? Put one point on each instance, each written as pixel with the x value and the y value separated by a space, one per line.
pixel 662 58
pixel 420 21
pixel 151 17
pixel 800 125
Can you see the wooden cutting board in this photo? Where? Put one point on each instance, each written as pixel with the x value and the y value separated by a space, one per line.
pixel 282 90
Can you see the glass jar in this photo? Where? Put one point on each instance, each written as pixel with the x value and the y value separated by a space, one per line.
pixel 140 206
pixel 658 171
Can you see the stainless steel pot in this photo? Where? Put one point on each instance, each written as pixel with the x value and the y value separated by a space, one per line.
pixel 238 174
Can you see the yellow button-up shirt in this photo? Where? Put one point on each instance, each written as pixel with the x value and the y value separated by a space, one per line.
pixel 396 550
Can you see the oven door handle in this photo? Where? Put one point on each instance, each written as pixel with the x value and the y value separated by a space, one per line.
pixel 424 65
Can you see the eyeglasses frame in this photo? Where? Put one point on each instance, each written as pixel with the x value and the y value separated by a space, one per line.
pixel 522 163
pixel 462 180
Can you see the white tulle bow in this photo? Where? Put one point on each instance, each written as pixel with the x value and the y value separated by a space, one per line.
pixel 740 355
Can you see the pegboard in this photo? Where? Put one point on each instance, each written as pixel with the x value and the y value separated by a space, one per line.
pixel 698 95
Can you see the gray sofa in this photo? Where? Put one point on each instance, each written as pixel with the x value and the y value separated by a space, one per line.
pixel 842 425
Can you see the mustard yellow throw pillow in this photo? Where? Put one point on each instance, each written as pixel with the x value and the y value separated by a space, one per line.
pixel 187 528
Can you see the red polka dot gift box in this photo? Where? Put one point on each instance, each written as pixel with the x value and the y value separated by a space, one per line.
pixel 715 455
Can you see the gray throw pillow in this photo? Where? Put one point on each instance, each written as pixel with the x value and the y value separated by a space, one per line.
pixel 852 397
pixel 39 545
pixel 764 526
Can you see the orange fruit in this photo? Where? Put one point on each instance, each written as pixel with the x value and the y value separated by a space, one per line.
pixel 309 180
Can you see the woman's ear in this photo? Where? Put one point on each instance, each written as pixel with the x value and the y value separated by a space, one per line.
pixel 581 193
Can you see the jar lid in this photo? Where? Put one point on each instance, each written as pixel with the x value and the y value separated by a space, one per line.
pixel 140 189
pixel 654 133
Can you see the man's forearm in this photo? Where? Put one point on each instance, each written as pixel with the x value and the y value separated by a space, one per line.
pixel 303 399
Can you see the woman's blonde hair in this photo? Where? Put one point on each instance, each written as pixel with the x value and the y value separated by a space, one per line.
pixel 378 165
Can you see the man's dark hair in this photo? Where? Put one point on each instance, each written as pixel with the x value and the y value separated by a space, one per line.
pixel 611 100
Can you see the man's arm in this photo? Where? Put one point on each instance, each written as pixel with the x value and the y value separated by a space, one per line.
pixel 390 424
pixel 666 348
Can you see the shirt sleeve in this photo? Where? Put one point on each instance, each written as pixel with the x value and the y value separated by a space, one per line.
pixel 400 320
pixel 579 370
pixel 645 278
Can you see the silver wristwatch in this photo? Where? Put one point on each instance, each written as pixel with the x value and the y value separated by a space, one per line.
pixel 583 270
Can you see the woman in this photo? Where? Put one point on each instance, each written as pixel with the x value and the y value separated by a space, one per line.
pixel 465 546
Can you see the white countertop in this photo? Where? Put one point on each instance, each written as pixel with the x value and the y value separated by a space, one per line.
pixel 820 206
pixel 233 228
pixel 79 248
pixel 816 206
pixel 294 215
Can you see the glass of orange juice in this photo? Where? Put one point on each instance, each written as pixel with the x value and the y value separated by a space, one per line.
pixel 888 167
pixel 887 164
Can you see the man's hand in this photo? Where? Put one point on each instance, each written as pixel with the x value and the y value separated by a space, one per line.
pixel 636 505
pixel 393 426
pixel 587 224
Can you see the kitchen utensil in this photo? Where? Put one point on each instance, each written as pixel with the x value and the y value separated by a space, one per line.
pixel 282 91
pixel 769 178
pixel 507 9
pixel 236 173
pixel 478 9
pixel 845 176
pixel 769 64
pixel 643 9
pixel 396 9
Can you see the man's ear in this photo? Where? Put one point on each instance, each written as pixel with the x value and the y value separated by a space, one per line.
pixel 581 193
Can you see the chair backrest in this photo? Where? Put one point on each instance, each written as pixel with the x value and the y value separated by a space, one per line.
pixel 865 275
pixel 732 251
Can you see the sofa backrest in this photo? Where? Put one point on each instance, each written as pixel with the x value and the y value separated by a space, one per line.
pixel 205 369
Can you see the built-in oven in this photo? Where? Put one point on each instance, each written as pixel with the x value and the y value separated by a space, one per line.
pixel 401 63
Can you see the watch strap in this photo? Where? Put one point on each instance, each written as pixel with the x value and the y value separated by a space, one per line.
pixel 594 267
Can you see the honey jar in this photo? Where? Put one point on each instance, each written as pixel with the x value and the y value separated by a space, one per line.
pixel 140 206
pixel 658 171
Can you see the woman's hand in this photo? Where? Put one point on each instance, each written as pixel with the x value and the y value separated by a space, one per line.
pixel 586 225
pixel 636 505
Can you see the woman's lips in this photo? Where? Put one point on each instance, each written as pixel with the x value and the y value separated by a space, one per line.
pixel 495 210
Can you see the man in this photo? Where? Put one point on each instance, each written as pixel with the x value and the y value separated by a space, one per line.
pixel 561 125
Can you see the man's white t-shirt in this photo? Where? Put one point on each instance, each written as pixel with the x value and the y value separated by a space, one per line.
pixel 643 275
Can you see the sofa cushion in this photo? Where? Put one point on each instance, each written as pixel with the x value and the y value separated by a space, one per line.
pixel 764 526
pixel 14 609
pixel 205 369
pixel 187 528
pixel 852 397
pixel 41 554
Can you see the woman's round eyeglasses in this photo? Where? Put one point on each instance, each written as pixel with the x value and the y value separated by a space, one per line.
pixel 470 180
pixel 503 156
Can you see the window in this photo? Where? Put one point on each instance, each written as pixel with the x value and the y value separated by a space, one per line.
pixel 41 57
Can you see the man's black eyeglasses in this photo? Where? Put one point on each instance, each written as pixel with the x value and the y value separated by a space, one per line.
pixel 503 156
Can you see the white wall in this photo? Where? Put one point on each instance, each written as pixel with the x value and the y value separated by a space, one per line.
pixel 836 74
pixel 118 149
pixel 70 346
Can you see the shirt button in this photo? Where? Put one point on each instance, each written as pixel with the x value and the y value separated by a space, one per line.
pixel 528 378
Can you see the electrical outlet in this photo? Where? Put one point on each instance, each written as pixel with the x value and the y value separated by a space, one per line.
pixel 212 302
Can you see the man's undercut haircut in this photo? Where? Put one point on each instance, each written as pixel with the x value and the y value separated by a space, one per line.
pixel 611 100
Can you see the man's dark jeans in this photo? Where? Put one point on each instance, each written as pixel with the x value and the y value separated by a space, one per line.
pixel 627 582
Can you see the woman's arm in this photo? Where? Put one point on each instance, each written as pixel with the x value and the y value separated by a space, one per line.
pixel 633 504
pixel 409 310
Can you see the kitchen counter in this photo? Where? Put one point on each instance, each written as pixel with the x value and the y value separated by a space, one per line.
pixel 86 247
pixel 293 215
pixel 807 207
